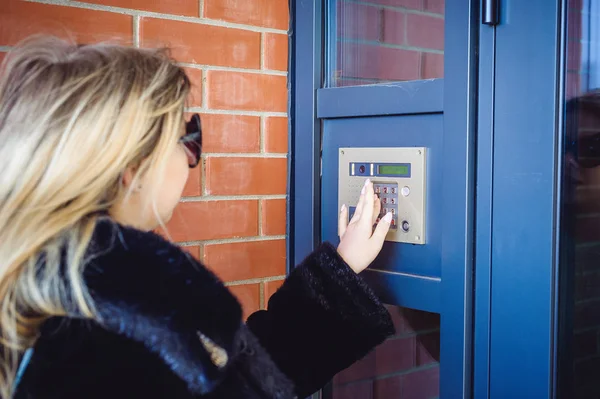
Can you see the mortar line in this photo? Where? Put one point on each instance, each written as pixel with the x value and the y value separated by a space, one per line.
pixel 205 67
pixel 151 14
pixel 254 281
pixel 233 112
pixel 136 31
pixel 236 240
pixel 211 198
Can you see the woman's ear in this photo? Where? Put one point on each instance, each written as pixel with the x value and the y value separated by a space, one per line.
pixel 127 178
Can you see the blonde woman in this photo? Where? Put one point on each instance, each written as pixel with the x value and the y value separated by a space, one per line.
pixel 94 155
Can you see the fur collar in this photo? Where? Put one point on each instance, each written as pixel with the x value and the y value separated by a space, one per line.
pixel 151 291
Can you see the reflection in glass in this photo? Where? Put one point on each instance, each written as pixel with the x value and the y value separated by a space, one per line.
pixel 579 317
pixel 404 366
pixel 381 41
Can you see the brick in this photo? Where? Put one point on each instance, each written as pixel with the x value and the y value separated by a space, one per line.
pixel 274 217
pixel 573 55
pixel 572 89
pixel 247 91
pixel 409 320
pixel 587 286
pixel 425 31
pixel 585 344
pixel 586 258
pixel 390 387
pixel 246 260
pixel 435 6
pixel 358 21
pixel 195 76
pixel 359 390
pixel 362 369
pixel 396 354
pixel 586 314
pixel 230 133
pixel 271 287
pixel 193 250
pixel 276 135
pixel 275 51
pixel 410 4
pixel 249 297
pixel 421 321
pixel 575 5
pixel 574 25
pixel 428 348
pixel 265 13
pixel 193 185
pixel 365 61
pixel 246 176
pixel 586 371
pixel 20 19
pixel 432 66
pixel 203 44
pixel 421 384
pixel 209 220
pixel 397 315
pixel 394 26
pixel 587 388
pixel 588 193
pixel 175 7
pixel 587 229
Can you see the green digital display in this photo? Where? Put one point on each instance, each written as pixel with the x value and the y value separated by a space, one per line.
pixel 393 170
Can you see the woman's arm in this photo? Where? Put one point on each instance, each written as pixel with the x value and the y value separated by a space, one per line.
pixel 323 319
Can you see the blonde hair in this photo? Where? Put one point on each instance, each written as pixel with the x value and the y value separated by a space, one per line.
pixel 72 119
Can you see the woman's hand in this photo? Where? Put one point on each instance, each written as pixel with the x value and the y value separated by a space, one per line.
pixel 359 245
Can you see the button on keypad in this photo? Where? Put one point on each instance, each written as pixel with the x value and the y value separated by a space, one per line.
pixel 388 194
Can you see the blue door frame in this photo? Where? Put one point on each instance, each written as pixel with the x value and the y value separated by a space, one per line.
pixel 501 123
pixel 520 143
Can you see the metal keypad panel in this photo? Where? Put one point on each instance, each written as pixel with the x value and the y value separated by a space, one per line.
pixel 388 195
pixel 403 195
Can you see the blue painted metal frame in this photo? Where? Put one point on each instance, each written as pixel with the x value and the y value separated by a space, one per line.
pixel 484 222
pixel 460 72
pixel 400 99
pixel 305 135
pixel 405 275
pixel 330 23
pixel 525 200
pixel 564 285
pixel 452 296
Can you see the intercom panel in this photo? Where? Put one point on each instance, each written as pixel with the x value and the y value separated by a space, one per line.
pixel 399 179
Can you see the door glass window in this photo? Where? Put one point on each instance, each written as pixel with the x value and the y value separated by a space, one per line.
pixel 378 41
pixel 404 366
pixel 579 334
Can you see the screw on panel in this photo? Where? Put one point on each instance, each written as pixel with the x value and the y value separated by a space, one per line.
pixel 417 238
pixel 342 152
pixel 419 151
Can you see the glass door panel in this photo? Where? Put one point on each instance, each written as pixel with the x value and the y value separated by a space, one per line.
pixel 405 366
pixel 379 41
pixel 579 323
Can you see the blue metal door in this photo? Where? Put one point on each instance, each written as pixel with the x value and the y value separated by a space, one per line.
pixel 488 276
pixel 367 95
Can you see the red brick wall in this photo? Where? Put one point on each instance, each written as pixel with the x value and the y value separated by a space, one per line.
pixel 388 40
pixel 235 51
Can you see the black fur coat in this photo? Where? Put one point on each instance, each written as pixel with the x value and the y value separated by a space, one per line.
pixel 170 329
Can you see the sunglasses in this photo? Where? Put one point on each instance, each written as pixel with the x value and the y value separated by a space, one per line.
pixel 192 140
